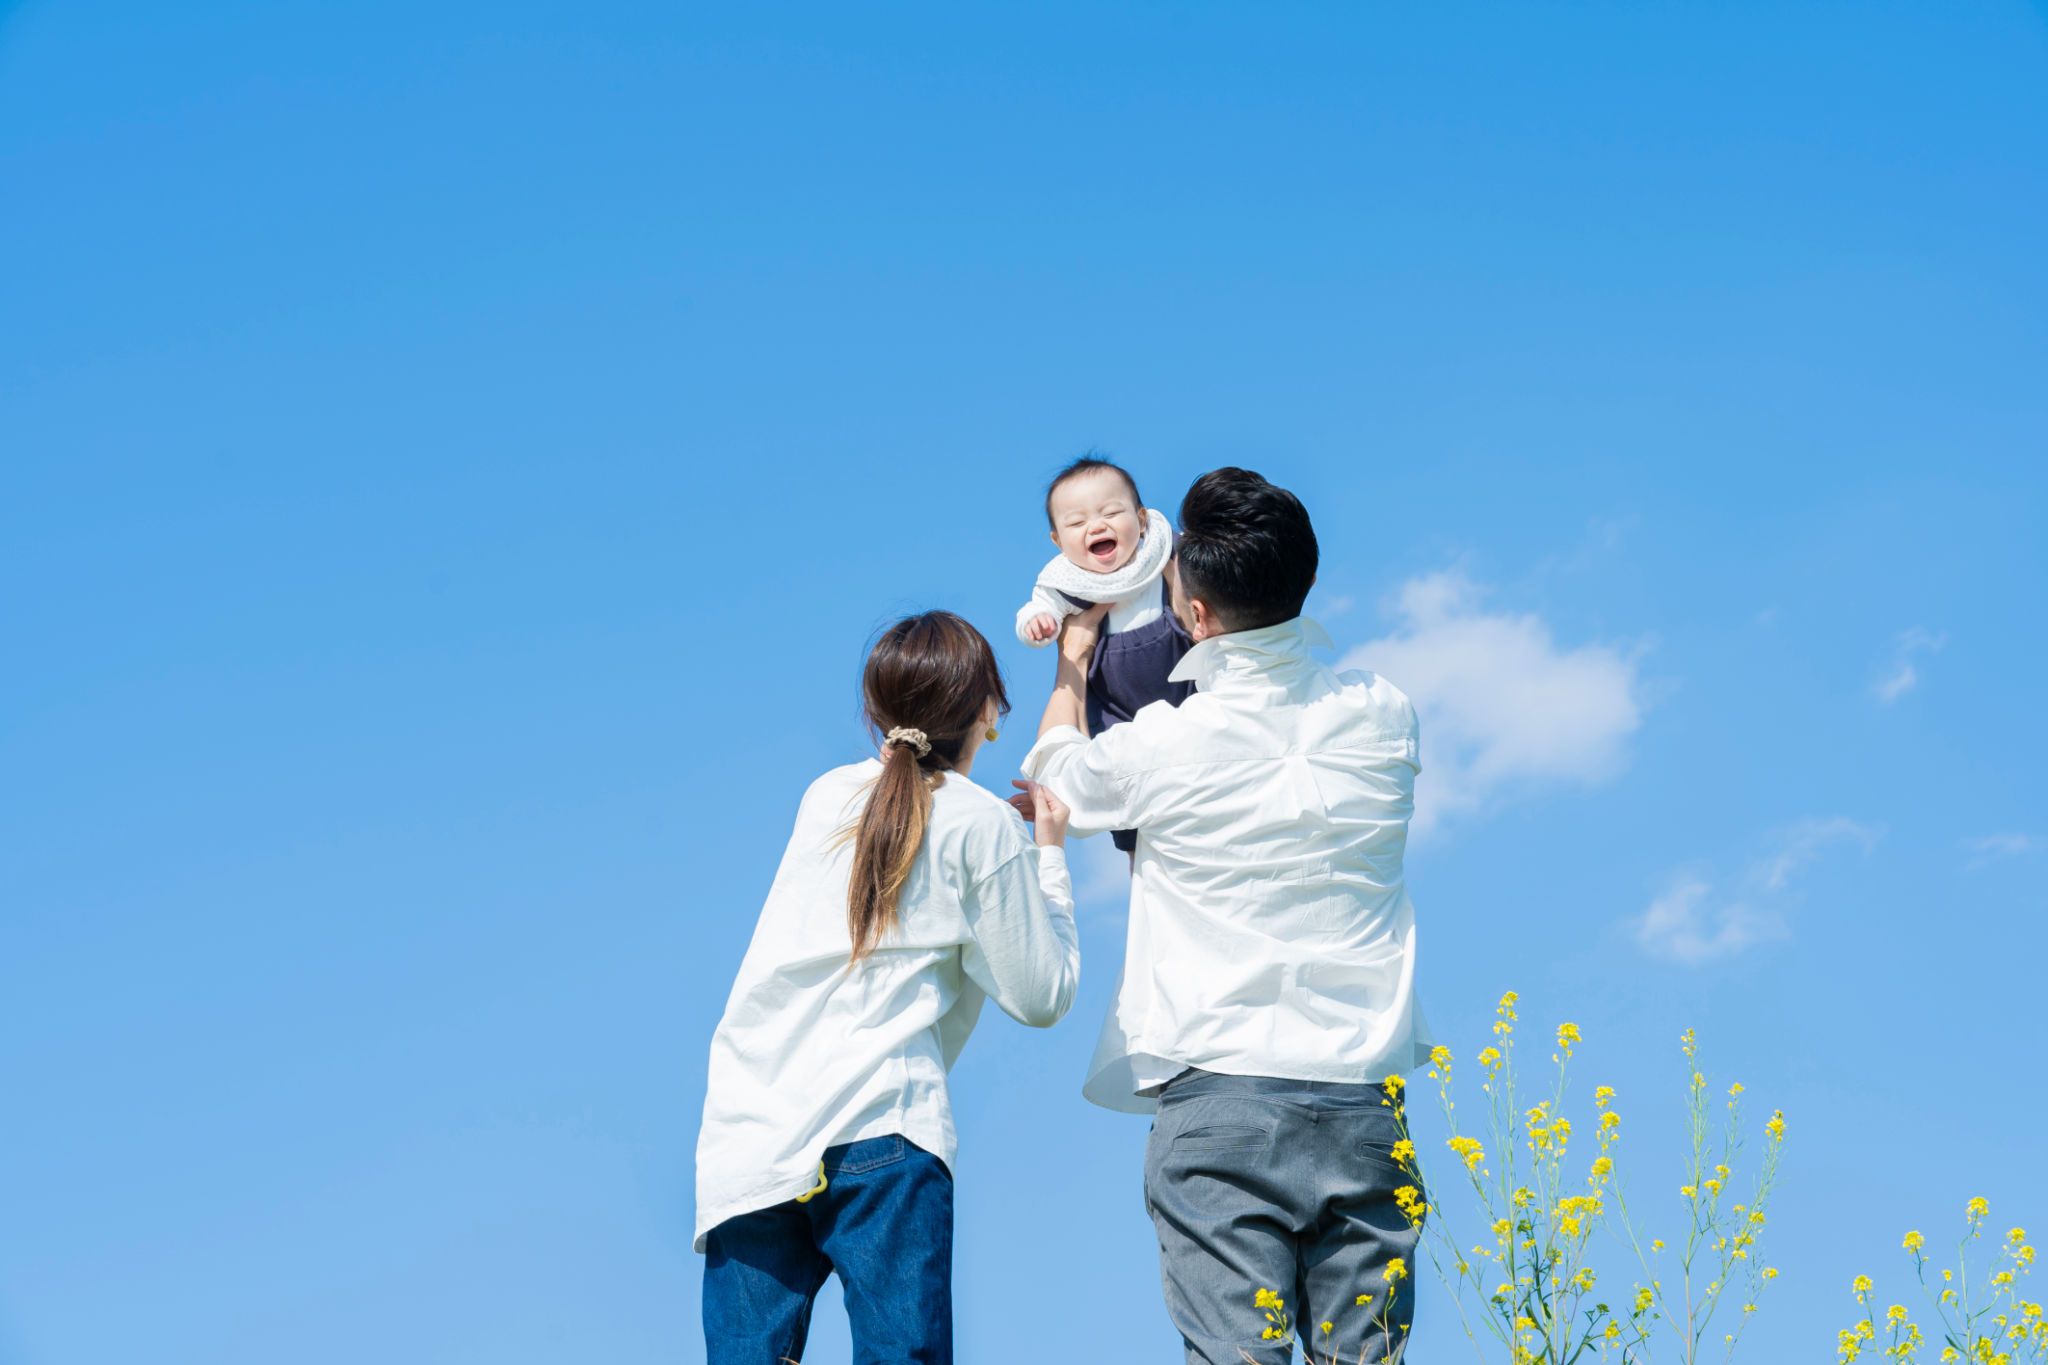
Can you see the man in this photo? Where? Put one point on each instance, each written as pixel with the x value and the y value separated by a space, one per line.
pixel 1268 990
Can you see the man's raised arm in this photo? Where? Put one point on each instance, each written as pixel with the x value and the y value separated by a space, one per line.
pixel 1068 704
pixel 1082 772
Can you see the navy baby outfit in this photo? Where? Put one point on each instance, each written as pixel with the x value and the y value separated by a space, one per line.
pixel 1129 671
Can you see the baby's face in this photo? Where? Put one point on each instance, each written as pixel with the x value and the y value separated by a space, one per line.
pixel 1096 522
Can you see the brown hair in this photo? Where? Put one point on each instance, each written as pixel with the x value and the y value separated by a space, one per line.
pixel 931 672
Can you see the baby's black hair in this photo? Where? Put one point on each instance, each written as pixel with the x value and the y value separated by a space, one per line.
pixel 1088 464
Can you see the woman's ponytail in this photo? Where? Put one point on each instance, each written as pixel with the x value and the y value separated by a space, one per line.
pixel 885 845
pixel 927 686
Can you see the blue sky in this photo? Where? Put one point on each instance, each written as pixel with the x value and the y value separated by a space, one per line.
pixel 455 455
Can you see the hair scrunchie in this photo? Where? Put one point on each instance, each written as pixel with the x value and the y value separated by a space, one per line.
pixel 915 738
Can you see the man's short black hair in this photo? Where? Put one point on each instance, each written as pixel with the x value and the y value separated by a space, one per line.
pixel 1088 464
pixel 1246 549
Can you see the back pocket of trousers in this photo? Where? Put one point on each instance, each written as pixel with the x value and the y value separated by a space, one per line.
pixel 1220 1135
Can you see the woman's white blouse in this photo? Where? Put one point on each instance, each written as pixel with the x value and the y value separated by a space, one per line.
pixel 810 1054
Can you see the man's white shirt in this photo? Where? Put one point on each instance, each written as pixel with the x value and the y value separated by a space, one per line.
pixel 1270 928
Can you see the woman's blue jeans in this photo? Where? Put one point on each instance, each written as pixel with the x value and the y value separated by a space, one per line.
pixel 884 1221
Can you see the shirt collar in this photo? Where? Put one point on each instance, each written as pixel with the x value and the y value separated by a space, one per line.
pixel 1258 649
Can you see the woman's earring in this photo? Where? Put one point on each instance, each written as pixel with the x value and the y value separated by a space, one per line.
pixel 989 734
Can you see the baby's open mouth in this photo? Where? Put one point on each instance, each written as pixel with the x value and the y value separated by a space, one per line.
pixel 1104 549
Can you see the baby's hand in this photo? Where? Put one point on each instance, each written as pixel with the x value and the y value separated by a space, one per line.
pixel 1042 628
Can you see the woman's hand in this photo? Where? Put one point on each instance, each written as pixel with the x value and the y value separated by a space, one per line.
pixel 1046 812
pixel 1079 632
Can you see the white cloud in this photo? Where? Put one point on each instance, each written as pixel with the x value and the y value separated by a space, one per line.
pixel 1803 843
pixel 1503 706
pixel 1681 926
pixel 1689 925
pixel 1992 847
pixel 1902 675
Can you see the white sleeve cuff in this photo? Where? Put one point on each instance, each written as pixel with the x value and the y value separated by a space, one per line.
pixel 1048 747
pixel 1054 879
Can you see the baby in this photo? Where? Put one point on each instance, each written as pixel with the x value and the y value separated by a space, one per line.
pixel 1112 549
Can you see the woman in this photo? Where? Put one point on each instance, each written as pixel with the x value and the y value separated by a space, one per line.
pixel 906 896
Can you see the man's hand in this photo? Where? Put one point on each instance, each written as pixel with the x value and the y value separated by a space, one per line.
pixel 1042 627
pixel 1046 812
pixel 1080 631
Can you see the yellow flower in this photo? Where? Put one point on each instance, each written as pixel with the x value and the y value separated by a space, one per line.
pixel 1689 1191
pixel 1735 1089
pixel 1861 1285
pixel 1643 1297
pixel 1602 1096
pixel 1404 1151
pixel 1978 1208
pixel 1776 1126
pixel 1524 1323
pixel 1567 1034
pixel 1506 1009
pixel 1440 1056
pixel 1770 1274
pixel 1397 1269
pixel 1656 1245
pixel 1364 1299
pixel 2016 1236
pixel 1895 1313
pixel 1326 1328
pixel 1613 1330
pixel 1468 1148
pixel 1489 1057
pixel 1914 1241
pixel 1686 1042
pixel 1266 1298
pixel 1609 1121
pixel 1602 1165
